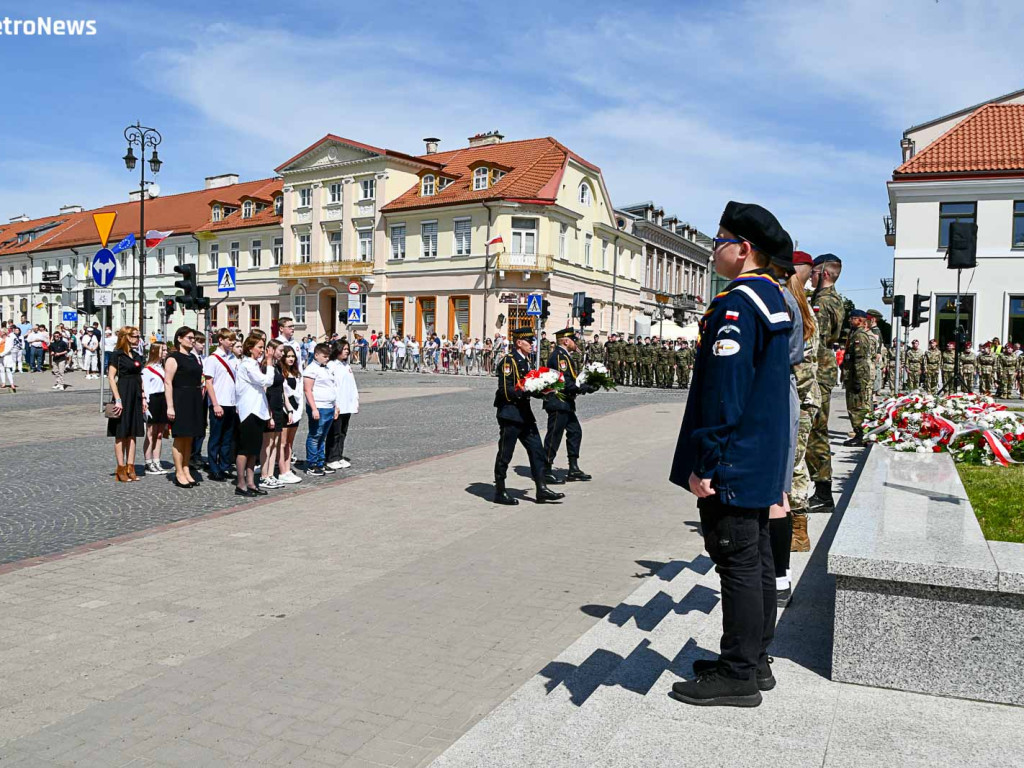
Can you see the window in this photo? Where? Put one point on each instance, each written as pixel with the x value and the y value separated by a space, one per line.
pixel 299 307
pixel 216 213
pixel 463 237
pixel 335 240
pixel 524 237
pixel 1018 224
pixel 247 209
pixel 305 197
pixel 305 249
pixel 442 182
pixel 563 231
pixel 254 316
pixel 24 275
pixel 944 311
pixel 604 254
pixel 256 253
pixel 123 257
pixel 278 251
pixel 398 241
pixel 460 316
pixel 950 212
pixel 480 179
pixel 279 205
pixel 368 188
pixel 366 245
pixel 428 185
pixel 159 261
pixel 584 194
pixel 336 192
pixel 179 255
pixel 214 256
pixel 1015 320
pixel 396 317
pixel 233 253
pixel 586 250
pixel 496 176
pixel 428 236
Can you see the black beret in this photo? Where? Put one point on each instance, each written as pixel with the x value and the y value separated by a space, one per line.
pixel 761 229
pixel 827 257
pixel 858 313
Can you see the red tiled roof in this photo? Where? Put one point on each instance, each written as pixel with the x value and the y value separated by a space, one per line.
pixel 536 167
pixel 990 140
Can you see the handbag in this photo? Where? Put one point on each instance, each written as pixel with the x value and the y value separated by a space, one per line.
pixel 108 410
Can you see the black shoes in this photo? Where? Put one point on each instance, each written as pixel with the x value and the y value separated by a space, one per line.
pixel 857 441
pixel 501 495
pixel 765 678
pixel 182 485
pixel 575 473
pixel 550 477
pixel 713 689
pixel 258 492
pixel 822 500
pixel 545 494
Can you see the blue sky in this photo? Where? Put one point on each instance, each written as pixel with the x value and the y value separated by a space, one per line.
pixel 797 105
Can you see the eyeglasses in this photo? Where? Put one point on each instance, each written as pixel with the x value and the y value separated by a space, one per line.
pixel 719 241
pixel 134 336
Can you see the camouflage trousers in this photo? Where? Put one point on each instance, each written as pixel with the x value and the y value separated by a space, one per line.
pixel 1006 386
pixel 858 405
pixel 987 381
pixel 931 381
pixel 684 376
pixel 913 380
pixel 800 494
pixel 819 455
pixel 646 374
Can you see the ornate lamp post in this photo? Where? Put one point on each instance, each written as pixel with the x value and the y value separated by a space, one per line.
pixel 140 136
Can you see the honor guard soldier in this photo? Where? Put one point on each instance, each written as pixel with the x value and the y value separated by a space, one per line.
pixel 948 360
pixel 858 374
pixel 986 369
pixel 913 364
pixel 629 362
pixel 1006 368
pixel 561 411
pixel 734 450
pixel 932 364
pixel 516 420
pixel 685 364
pixel 968 366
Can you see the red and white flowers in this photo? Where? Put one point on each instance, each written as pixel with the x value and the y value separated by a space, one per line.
pixel 541 381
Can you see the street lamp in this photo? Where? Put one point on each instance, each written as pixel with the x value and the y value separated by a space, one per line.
pixel 140 136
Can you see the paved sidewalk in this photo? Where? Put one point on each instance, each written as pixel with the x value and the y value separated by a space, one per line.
pixel 369 623
pixel 604 700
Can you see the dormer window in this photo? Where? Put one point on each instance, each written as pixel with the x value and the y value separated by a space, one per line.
pixel 479 179
pixel 279 205
pixel 216 213
pixel 442 183
pixel 428 185
pixel 496 176
pixel 247 209
pixel 585 194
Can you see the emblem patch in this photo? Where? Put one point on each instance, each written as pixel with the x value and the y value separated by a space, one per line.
pixel 729 329
pixel 562 364
pixel 726 347
pixel 507 369
pixel 731 314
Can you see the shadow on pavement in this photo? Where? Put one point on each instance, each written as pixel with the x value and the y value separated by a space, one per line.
pixel 486 491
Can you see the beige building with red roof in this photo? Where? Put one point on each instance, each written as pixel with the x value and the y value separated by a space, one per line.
pixel 973 171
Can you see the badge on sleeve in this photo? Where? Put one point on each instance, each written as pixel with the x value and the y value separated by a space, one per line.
pixel 726 347
pixel 562 364
pixel 507 370
pixel 731 314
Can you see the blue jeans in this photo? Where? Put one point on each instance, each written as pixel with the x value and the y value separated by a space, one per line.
pixel 35 360
pixel 317 437
pixel 220 450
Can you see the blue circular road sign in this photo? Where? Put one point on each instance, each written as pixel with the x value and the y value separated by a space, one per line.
pixel 104 267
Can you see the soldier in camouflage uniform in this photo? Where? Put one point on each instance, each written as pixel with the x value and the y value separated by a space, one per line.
pixel 986 369
pixel 809 395
pixel 685 365
pixel 913 365
pixel 932 364
pixel 829 313
pixel 947 365
pixel 1006 369
pixel 661 364
pixel 671 361
pixel 876 359
pixel 612 357
pixel 648 355
pixel 629 362
pixel 545 348
pixel 857 374
pixel 968 366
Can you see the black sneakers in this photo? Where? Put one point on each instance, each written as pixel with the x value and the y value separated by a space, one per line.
pixel 713 689
pixel 765 678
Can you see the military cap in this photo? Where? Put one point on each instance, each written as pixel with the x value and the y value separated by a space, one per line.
pixel 874 313
pixel 825 258
pixel 761 229
pixel 525 333
pixel 858 313
pixel 802 257
pixel 566 333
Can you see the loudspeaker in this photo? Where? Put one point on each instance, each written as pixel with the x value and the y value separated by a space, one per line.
pixel 963 246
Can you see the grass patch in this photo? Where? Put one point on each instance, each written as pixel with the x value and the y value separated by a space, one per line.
pixel 995 494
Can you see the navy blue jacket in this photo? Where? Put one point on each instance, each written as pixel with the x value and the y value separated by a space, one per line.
pixel 512 404
pixel 736 426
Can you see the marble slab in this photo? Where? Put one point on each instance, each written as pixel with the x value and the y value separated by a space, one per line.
pixel 1009 558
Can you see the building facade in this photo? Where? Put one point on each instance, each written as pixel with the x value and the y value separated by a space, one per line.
pixel 972 172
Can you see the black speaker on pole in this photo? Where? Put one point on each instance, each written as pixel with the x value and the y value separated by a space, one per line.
pixel 963 246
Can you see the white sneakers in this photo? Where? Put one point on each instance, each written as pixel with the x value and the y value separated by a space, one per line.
pixel 342 464
pixel 154 468
pixel 289 478
pixel 270 483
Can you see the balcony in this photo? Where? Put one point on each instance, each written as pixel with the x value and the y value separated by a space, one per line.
pixel 524 262
pixel 687 303
pixel 890 230
pixel 327 269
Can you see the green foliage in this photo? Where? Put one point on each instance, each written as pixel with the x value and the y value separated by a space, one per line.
pixel 994 492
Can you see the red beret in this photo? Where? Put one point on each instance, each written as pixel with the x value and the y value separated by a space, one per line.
pixel 802 257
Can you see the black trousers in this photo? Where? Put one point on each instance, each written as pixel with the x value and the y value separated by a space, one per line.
pixel 739 544
pixel 511 432
pixel 336 437
pixel 562 423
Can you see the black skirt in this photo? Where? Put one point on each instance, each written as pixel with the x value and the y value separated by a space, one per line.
pixel 250 436
pixel 158 408
pixel 280 420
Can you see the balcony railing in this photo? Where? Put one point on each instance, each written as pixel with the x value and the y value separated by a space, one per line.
pixel 327 269
pixel 684 302
pixel 524 262
pixel 890 230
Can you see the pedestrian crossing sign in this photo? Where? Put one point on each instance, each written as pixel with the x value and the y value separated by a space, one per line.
pixel 533 304
pixel 226 279
pixel 355 315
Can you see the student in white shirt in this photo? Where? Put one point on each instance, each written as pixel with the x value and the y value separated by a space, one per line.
pixel 286 326
pixel 155 397
pixel 320 395
pixel 346 403
pixel 251 382
pixel 219 371
pixel 293 397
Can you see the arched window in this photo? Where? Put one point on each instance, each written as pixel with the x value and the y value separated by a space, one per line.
pixel 216 213
pixel 480 179
pixel 299 305
pixel 428 185
pixel 584 194
pixel 247 209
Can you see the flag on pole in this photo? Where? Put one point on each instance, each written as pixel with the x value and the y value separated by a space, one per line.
pixel 154 237
pixel 495 240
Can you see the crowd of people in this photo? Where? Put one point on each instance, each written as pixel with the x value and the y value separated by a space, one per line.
pixel 246 399
pixel 995 369
pixel 28 348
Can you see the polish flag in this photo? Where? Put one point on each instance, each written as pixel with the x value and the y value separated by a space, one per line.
pixel 495 240
pixel 154 237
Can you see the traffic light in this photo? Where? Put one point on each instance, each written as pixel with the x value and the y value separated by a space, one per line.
pixel 187 284
pixel 587 312
pixel 906 317
pixel 899 303
pixel 88 302
pixel 168 308
pixel 201 302
pixel 545 309
pixel 920 313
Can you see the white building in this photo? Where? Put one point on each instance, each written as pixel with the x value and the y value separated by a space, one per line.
pixel 968 167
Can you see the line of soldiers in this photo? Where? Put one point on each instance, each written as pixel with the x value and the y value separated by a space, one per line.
pixel 635 361
pixel 998 374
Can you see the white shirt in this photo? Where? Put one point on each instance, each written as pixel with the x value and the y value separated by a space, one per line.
pixel 37 338
pixel 223 382
pixel 346 393
pixel 414 347
pixel 294 344
pixel 324 394
pixel 91 343
pixel 153 379
pixel 251 388
pixel 109 342
pixel 400 348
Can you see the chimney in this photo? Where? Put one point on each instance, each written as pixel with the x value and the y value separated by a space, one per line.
pixel 18 219
pixel 483 139
pixel 432 145
pixel 224 180
pixel 907 145
pixel 65 209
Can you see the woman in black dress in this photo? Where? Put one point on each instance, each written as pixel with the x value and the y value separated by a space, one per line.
pixel 183 379
pixel 275 400
pixel 125 376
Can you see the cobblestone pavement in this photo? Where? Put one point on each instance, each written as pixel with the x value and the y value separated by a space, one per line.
pixel 366 623
pixel 57 467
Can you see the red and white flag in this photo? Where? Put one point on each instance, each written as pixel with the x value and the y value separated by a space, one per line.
pixel 731 315
pixel 495 240
pixel 154 237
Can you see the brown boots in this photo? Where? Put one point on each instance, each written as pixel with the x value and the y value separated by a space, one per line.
pixel 801 542
pixel 122 474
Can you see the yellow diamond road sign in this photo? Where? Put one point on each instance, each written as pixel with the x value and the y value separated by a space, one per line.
pixel 104 223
